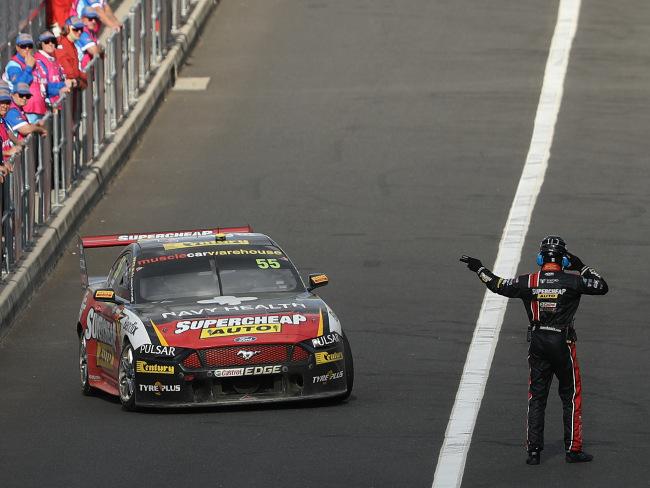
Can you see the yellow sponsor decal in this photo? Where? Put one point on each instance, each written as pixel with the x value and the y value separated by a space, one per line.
pixel 320 323
pixel 318 279
pixel 105 356
pixel 161 338
pixel 328 357
pixel 547 295
pixel 144 367
pixel 184 245
pixel 213 332
pixel 104 294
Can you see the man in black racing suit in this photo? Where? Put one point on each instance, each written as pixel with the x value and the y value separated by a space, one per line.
pixel 551 297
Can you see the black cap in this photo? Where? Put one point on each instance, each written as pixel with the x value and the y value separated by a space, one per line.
pixel 552 249
pixel 553 244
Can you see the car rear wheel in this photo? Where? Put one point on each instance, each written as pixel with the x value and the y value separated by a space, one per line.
pixel 126 378
pixel 86 389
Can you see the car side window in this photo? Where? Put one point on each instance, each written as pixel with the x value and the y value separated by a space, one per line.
pixel 122 282
pixel 119 277
pixel 114 272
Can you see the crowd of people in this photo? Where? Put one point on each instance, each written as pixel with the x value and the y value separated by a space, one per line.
pixel 45 69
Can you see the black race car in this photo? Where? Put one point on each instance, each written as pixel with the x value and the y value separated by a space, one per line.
pixel 207 317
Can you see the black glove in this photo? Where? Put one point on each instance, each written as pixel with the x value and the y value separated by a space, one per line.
pixel 575 263
pixel 472 263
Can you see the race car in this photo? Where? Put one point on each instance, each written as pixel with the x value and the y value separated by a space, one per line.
pixel 207 317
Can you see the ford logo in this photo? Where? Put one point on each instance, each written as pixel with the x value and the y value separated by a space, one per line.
pixel 246 339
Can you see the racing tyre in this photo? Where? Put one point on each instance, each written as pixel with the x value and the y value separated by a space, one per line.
pixel 349 370
pixel 126 378
pixel 86 389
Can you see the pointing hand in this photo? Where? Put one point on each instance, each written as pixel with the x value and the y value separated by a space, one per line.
pixel 472 263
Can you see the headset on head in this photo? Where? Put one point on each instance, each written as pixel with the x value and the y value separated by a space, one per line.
pixel 565 261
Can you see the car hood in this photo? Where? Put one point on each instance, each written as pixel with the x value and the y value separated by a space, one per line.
pixel 236 320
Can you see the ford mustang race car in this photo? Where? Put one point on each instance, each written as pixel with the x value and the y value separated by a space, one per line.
pixel 207 317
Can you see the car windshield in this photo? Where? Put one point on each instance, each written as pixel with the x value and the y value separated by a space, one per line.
pixel 254 269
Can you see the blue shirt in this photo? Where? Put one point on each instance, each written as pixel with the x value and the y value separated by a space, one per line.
pixel 85 41
pixel 15 118
pixel 14 72
pixel 81 4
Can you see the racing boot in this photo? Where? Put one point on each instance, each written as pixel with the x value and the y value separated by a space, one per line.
pixel 578 457
pixel 534 457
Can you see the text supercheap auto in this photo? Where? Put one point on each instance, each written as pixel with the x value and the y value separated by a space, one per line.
pixel 185 325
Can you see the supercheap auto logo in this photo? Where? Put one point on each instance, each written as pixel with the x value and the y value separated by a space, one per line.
pixel 133 237
pixel 144 367
pixel 328 357
pixel 99 328
pixel 239 330
pixel 244 322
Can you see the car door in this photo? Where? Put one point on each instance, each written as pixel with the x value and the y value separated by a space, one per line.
pixel 107 319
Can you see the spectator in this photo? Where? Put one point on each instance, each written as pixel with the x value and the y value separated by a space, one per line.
pixel 88 43
pixel 5 101
pixel 67 54
pixel 103 11
pixel 21 70
pixel 57 13
pixel 6 137
pixel 50 72
pixel 16 118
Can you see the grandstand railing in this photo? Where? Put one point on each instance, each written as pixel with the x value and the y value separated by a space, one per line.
pixel 84 121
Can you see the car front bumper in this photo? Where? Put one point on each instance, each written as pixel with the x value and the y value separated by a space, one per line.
pixel 171 385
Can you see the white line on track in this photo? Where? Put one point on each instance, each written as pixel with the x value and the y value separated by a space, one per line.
pixel 453 454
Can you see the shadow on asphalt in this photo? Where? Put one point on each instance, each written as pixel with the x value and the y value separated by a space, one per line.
pixel 291 405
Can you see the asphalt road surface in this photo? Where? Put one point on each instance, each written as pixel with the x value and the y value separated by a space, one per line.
pixel 376 141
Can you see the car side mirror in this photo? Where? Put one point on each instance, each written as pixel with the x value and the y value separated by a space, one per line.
pixel 317 280
pixel 107 295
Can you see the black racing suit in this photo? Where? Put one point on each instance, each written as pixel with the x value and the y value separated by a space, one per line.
pixel 551 297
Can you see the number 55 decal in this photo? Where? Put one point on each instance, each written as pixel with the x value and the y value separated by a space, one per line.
pixel 267 263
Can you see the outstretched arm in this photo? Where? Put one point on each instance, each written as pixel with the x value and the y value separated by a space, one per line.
pixel 507 287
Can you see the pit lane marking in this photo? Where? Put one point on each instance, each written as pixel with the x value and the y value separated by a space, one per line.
pixel 191 84
pixel 458 436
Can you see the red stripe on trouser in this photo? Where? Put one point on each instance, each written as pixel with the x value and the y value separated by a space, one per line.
pixel 576 440
pixel 530 395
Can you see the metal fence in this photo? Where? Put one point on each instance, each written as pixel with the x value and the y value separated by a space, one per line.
pixel 19 16
pixel 48 167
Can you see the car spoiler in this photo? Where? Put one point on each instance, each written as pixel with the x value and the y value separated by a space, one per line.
pixel 114 240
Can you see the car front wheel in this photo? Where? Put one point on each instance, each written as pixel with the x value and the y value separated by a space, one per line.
pixel 126 378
